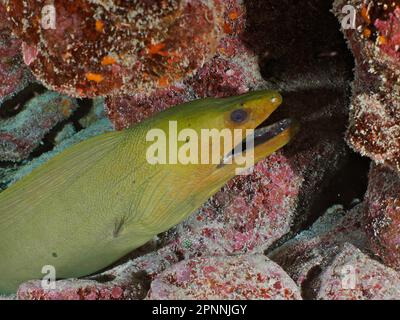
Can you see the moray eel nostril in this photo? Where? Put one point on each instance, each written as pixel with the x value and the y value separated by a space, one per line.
pixel 100 199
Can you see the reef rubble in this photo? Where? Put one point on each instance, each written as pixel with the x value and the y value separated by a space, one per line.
pixel 374 128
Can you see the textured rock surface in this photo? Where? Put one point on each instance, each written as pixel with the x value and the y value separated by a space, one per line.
pixel 20 135
pixel 130 280
pixel 383 214
pixel 310 252
pixel 14 76
pixel 375 110
pixel 326 261
pixel 115 47
pixel 352 275
pixel 251 277
pixel 232 70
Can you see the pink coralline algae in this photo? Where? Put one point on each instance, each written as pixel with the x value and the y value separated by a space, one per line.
pixel 31 291
pixel 352 275
pixel 14 75
pixel 100 48
pixel 21 134
pixel 326 261
pixel 232 70
pixel 129 280
pixel 305 256
pixel 383 214
pixel 252 277
pixel 375 109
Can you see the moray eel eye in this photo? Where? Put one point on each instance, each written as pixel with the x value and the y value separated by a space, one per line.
pixel 239 116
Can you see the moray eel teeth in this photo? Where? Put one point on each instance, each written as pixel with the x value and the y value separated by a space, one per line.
pixel 264 138
pixel 100 199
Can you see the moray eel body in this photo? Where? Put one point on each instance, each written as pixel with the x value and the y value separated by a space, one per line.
pixel 100 199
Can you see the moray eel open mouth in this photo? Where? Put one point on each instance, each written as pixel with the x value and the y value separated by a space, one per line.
pixel 263 135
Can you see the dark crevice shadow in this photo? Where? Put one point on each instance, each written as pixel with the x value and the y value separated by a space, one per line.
pixel 12 106
pixel 303 54
pixel 310 283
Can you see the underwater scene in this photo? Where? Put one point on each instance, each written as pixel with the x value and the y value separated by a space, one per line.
pixel 221 150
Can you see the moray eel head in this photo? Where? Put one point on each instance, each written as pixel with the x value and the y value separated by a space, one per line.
pixel 213 140
pixel 217 136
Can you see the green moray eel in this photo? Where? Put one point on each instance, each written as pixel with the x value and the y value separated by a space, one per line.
pixel 98 200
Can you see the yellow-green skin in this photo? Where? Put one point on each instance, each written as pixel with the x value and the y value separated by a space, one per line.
pixel 100 199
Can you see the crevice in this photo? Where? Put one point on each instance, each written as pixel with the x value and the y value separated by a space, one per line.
pixel 12 106
pixel 311 283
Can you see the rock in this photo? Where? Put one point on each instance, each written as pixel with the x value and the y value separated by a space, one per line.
pixel 375 108
pixel 352 275
pixel 251 277
pixel 129 280
pixel 20 135
pixel 232 70
pixel 108 48
pixel 326 263
pixel 382 217
pixel 310 252
pixel 67 132
pixel 96 113
pixel 129 110
pixel 14 76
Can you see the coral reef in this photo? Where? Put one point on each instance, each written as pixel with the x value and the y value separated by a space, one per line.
pixel 131 280
pixel 382 215
pixel 312 250
pixel 252 277
pixel 326 263
pixel 374 120
pixel 14 75
pixel 353 275
pixel 102 48
pixel 20 135
pixel 232 70
pixel 219 252
pixel 374 128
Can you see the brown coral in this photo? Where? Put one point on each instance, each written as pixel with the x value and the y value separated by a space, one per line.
pixel 375 110
pixel 383 215
pixel 115 47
